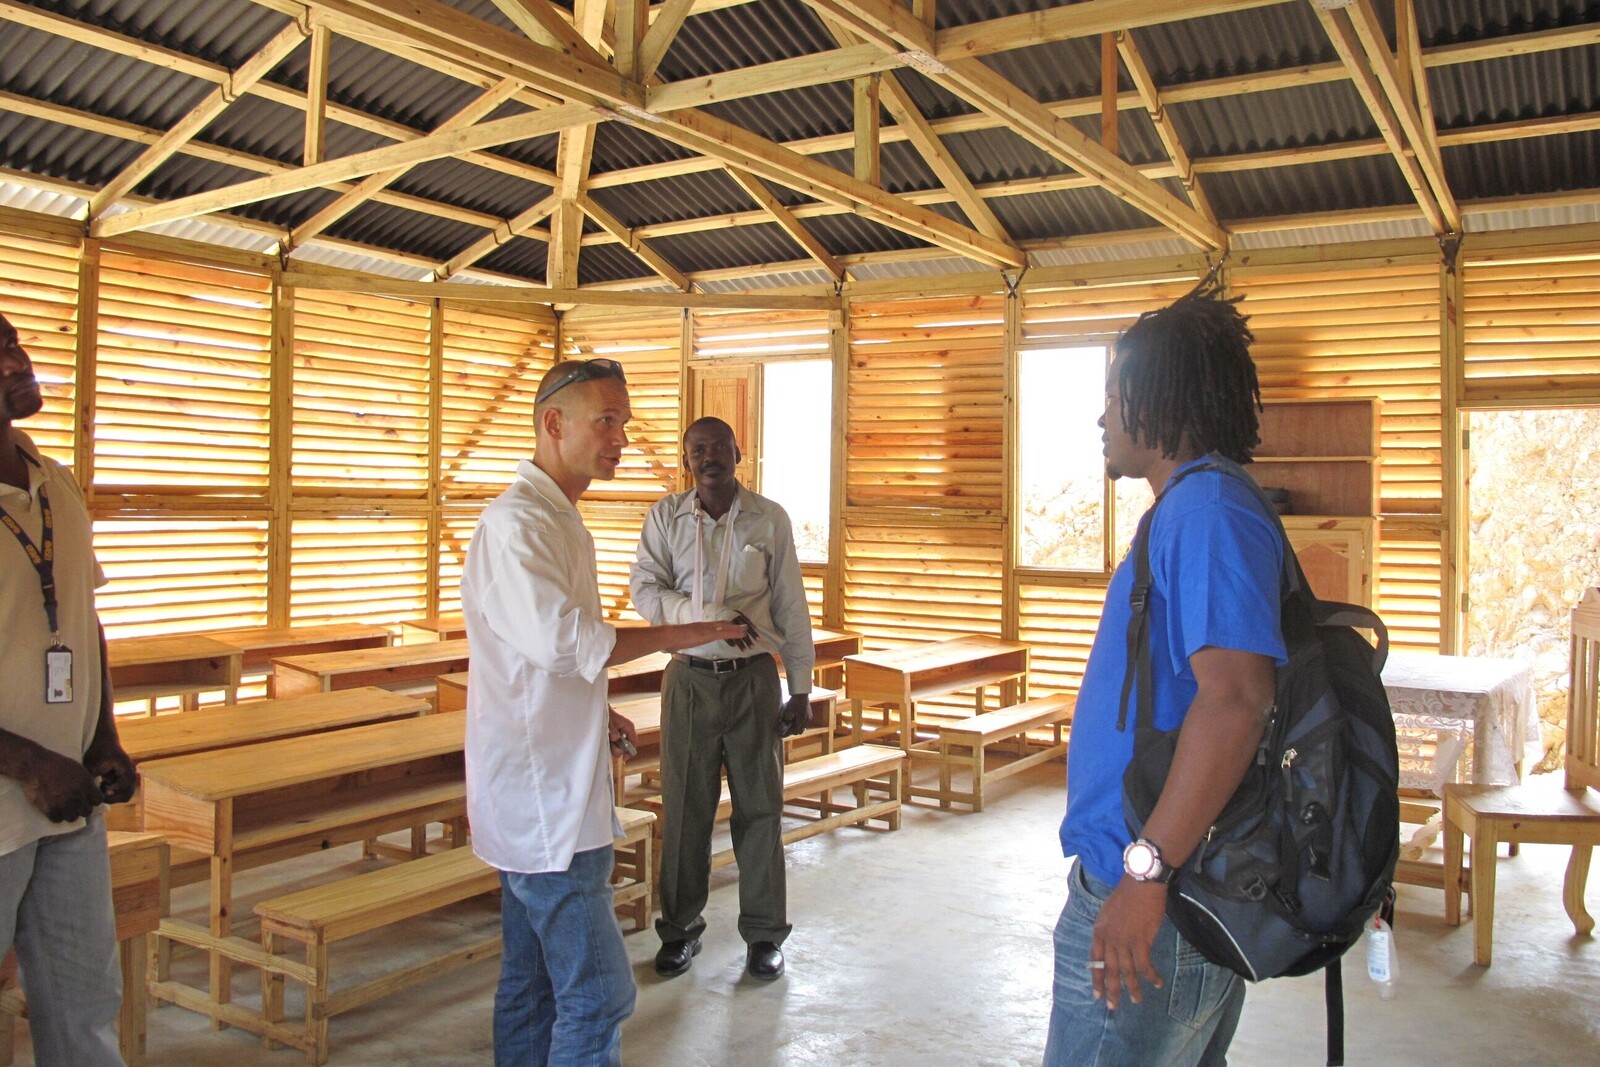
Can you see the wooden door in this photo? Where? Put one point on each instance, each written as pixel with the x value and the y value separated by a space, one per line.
pixel 732 394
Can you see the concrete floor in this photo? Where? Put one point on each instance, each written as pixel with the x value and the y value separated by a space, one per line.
pixel 931 947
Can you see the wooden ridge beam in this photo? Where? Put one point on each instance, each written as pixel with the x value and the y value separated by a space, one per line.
pixel 374 184
pixel 199 117
pixel 434 146
pixel 773 209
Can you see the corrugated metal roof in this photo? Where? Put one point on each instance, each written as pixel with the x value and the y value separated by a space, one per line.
pixel 48 68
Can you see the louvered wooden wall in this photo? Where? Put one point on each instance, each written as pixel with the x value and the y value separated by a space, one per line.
pixel 262 455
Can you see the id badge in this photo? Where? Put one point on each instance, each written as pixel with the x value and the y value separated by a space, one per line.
pixel 58 675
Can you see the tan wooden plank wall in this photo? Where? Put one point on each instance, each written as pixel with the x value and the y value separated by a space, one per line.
pixel 390 462
pixel 1369 328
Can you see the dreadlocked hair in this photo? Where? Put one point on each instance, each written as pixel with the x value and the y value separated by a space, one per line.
pixel 1186 376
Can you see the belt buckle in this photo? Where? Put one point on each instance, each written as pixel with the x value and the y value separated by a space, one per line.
pixel 724 666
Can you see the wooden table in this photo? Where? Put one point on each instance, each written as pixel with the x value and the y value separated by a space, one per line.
pixel 640 676
pixel 255 804
pixel 899 678
pixel 181 665
pixel 398 667
pixel 449 627
pixel 264 644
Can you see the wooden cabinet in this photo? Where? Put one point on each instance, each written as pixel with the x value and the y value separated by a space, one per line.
pixel 1324 453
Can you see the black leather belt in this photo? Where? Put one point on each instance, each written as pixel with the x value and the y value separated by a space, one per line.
pixel 719 666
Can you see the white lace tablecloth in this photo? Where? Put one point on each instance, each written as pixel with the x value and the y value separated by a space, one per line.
pixel 1461 718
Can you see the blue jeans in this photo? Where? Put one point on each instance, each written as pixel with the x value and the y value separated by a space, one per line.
pixel 1188 1022
pixel 565 981
pixel 55 906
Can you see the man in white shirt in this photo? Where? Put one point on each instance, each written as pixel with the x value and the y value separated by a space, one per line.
pixel 59 754
pixel 539 731
pixel 720 551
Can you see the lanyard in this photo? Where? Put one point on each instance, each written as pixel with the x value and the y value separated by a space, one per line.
pixel 723 564
pixel 43 558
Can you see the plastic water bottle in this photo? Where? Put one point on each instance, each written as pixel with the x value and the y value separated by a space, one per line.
pixel 1382 961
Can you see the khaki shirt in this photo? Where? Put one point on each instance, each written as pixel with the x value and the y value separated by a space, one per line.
pixel 64 728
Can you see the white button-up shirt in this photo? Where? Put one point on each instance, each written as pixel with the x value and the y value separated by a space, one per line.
pixel 762 577
pixel 538 758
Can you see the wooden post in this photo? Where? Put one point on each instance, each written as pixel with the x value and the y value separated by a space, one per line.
pixel 868 166
pixel 1011 463
pixel 435 450
pixel 833 587
pixel 1453 532
pixel 83 395
pixel 280 453
pixel 1108 92
pixel 317 93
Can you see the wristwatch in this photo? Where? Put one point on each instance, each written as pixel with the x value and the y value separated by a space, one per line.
pixel 1142 860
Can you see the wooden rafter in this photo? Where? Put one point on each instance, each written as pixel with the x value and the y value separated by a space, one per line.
pixel 772 208
pixel 1376 82
pixel 1145 85
pixel 911 124
pixel 317 94
pixel 1087 19
pixel 668 20
pixel 631 240
pixel 573 155
pixel 893 27
pixel 499 235
pixel 434 146
pixel 373 184
pixel 544 25
pixel 251 71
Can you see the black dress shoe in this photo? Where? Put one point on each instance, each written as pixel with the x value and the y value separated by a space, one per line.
pixel 675 957
pixel 763 960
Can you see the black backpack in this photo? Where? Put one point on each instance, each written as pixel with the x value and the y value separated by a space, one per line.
pixel 1303 855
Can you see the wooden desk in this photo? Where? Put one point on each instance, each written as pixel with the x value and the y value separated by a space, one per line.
pixel 264 644
pixel 164 736
pixel 451 627
pixel 636 677
pixel 138 894
pixel 397 667
pixel 181 665
pixel 255 804
pixel 832 647
pixel 899 678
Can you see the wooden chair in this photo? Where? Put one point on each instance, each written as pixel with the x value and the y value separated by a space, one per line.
pixel 1531 812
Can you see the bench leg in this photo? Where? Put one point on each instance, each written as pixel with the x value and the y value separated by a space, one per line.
pixel 271 987
pixel 896 793
pixel 134 954
pixel 317 1003
pixel 221 926
pixel 977 776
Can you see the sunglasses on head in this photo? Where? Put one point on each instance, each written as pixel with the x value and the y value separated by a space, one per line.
pixel 587 371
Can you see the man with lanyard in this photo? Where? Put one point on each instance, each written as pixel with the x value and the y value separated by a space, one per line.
pixel 539 790
pixel 1182 389
pixel 59 754
pixel 720 551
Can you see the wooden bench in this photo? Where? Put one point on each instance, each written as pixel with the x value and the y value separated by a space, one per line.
pixel 810 783
pixel 319 917
pixel 963 743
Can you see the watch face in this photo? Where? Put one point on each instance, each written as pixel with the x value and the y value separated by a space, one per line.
pixel 1140 860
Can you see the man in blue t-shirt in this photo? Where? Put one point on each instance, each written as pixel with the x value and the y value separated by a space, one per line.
pixel 1129 991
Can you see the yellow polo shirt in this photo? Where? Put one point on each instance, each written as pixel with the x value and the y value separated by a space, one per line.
pixel 66 728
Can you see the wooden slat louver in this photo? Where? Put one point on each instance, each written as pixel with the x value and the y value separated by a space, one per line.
pixel 761 335
pixel 182 376
pixel 491 371
pixel 456 524
pixel 925 409
pixel 1367 329
pixel 361 381
pixel 1531 328
pixel 366 569
pixel 39 295
pixel 648 348
pixel 180 575
pixel 615 526
pixel 1059 618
